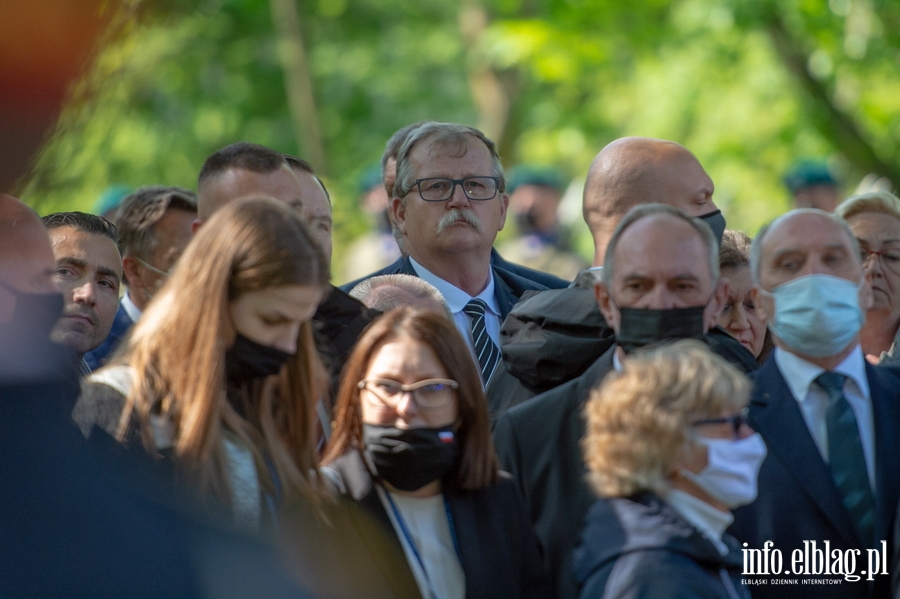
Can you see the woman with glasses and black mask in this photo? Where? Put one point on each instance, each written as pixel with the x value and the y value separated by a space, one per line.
pixel 670 454
pixel 412 445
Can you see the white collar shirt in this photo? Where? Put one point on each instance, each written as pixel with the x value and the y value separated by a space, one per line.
pixel 133 312
pixel 812 399
pixel 457 299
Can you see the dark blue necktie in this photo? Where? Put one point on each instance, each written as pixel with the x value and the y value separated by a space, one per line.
pixel 845 456
pixel 486 350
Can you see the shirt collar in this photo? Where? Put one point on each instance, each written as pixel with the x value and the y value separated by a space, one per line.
pixel 456 297
pixel 133 312
pixel 800 374
pixel 708 520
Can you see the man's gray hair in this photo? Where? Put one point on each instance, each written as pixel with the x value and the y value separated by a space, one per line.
pixel 386 292
pixel 451 136
pixel 756 245
pixel 710 242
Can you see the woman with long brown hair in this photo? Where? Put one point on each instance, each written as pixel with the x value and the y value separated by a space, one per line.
pixel 221 373
pixel 412 445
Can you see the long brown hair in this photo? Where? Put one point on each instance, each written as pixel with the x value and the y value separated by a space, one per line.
pixel 177 352
pixel 476 466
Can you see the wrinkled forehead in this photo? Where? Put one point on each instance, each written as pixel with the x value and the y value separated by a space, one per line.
pixel 660 247
pixel 804 232
pixel 441 146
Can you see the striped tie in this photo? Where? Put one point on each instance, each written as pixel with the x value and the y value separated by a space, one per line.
pixel 485 349
pixel 845 456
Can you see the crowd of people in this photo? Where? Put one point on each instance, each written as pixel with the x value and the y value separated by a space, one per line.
pixel 456 423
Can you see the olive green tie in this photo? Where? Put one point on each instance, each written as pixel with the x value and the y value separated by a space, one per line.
pixel 846 458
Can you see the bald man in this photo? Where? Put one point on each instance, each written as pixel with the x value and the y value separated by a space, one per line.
pixel 386 292
pixel 554 336
pixel 643 170
pixel 30 302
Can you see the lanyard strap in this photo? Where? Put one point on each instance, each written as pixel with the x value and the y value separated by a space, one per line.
pixel 412 544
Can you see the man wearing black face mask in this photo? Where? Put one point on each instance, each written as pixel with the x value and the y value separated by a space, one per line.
pixel 660 282
pixel 552 337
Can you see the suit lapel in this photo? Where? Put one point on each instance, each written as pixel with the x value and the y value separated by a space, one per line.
pixel 406 268
pixel 883 389
pixel 504 294
pixel 775 414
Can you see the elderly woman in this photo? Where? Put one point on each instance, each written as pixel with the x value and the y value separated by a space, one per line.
pixel 670 454
pixel 738 316
pixel 874 218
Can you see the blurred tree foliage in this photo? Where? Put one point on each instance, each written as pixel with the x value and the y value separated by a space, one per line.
pixel 749 86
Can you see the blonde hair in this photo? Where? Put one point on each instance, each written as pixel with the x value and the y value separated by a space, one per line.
pixel 638 419
pixel 883 202
pixel 177 353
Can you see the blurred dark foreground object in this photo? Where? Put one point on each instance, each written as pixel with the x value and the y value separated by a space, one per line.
pixel 88 519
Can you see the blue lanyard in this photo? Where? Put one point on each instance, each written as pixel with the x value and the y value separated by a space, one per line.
pixel 412 543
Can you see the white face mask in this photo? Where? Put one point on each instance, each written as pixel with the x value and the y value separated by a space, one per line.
pixel 818 315
pixel 732 471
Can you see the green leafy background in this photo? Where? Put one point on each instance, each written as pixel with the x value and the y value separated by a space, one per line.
pixel 750 86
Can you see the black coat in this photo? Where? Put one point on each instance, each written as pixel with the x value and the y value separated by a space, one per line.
pixel 84 519
pixel 641 548
pixel 500 553
pixel 337 324
pixel 797 498
pixel 538 443
pixel 548 338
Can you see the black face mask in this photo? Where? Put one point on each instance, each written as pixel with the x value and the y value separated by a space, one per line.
pixel 716 222
pixel 248 359
pixel 409 459
pixel 639 328
pixel 35 314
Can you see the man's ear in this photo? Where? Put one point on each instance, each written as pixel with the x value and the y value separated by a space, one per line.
pixel 762 304
pixel 398 213
pixel 719 299
pixel 504 206
pixel 130 269
pixel 866 295
pixel 605 303
pixel 195 226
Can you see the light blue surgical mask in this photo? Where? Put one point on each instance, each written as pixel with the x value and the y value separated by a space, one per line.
pixel 817 315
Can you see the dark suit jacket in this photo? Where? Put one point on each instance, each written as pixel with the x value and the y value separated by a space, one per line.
pixel 538 443
pixel 797 498
pixel 121 325
pixel 541 278
pixel 508 287
pixel 500 553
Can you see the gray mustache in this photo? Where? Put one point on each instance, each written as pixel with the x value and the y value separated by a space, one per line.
pixel 457 215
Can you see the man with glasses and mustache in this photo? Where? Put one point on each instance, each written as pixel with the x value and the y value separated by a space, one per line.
pixel 449 203
pixel 154 224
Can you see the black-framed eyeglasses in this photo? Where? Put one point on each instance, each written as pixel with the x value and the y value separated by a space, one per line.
pixel 440 189
pixel 736 421
pixel 428 393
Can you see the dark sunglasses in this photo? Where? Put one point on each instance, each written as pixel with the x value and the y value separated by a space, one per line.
pixel 735 421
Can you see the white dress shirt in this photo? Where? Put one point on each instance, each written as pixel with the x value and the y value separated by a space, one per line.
pixel 457 300
pixel 133 312
pixel 813 400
